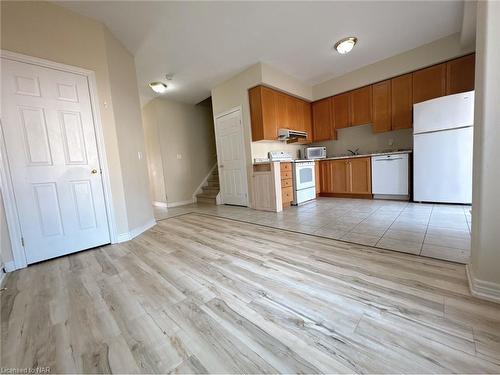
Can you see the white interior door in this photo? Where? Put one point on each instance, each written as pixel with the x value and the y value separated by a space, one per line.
pixel 231 159
pixel 52 153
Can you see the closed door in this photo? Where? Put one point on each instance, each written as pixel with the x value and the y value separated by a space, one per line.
pixel 231 158
pixel 51 147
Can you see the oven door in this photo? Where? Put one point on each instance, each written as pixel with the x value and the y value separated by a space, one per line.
pixel 304 176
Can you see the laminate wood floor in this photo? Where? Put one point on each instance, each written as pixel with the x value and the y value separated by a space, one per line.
pixel 202 294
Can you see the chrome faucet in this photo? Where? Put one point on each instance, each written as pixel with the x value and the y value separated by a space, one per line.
pixel 355 152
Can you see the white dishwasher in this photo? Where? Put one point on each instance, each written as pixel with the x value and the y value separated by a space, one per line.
pixel 390 176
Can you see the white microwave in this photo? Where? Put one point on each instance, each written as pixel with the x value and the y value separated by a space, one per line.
pixel 315 152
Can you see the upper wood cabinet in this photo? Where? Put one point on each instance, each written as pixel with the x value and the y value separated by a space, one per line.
pixel 401 102
pixel 361 106
pixel 460 74
pixel 281 110
pixel 271 110
pixel 322 121
pixel 381 99
pixel 429 83
pixel 263 113
pixel 342 111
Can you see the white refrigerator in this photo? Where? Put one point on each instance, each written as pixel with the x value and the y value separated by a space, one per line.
pixel 442 149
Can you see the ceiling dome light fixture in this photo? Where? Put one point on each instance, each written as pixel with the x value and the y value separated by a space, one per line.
pixel 345 45
pixel 158 87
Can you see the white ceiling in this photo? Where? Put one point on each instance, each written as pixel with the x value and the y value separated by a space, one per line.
pixel 205 43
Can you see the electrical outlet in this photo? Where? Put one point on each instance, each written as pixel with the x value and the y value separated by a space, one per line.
pixel 391 142
pixel 179 156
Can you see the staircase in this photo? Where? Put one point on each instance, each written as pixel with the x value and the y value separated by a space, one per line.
pixel 210 190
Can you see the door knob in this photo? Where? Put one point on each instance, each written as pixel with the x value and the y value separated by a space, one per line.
pixel 93 171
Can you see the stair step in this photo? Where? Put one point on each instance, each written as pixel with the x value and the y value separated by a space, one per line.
pixel 208 194
pixel 213 183
pixel 206 200
pixel 210 189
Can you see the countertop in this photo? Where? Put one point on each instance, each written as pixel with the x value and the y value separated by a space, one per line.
pixel 344 156
pixel 368 154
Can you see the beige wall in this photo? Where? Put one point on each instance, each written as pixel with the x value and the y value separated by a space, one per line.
pixel 428 54
pixel 485 249
pixel 362 137
pixel 183 130
pixel 48 31
pixel 129 132
pixel 153 153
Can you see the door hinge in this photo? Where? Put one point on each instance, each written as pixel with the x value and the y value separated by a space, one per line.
pixel 22 241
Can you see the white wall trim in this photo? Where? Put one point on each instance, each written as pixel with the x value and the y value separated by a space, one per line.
pixel 5 177
pixel 160 204
pixel 123 237
pixel 199 189
pixel 481 288
pixel 180 203
pixel 9 266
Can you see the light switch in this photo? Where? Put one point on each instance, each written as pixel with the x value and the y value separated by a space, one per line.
pixel 139 155
pixel 179 156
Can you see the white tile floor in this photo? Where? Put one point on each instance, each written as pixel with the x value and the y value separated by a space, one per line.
pixel 434 230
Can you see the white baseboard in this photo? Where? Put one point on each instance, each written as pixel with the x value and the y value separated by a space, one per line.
pixel 135 232
pixel 2 277
pixel 160 204
pixel 181 203
pixel 10 266
pixel 483 289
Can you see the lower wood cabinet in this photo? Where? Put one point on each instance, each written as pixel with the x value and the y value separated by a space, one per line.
pixel 346 176
pixel 360 173
pixel 286 184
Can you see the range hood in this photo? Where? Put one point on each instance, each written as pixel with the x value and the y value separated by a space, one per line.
pixel 291 136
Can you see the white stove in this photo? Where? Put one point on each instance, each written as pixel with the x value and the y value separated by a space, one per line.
pixel 304 181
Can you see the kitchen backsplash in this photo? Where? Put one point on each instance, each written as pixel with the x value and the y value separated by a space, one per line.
pixel 260 149
pixel 362 137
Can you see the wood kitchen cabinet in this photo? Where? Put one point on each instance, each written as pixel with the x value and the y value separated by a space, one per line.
pixel 381 99
pixel 322 121
pixel 340 176
pixel 346 177
pixel 281 110
pixel 263 113
pixel 402 102
pixel 429 83
pixel 271 110
pixel 342 111
pixel 460 74
pixel 361 106
pixel 326 176
pixel 360 177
